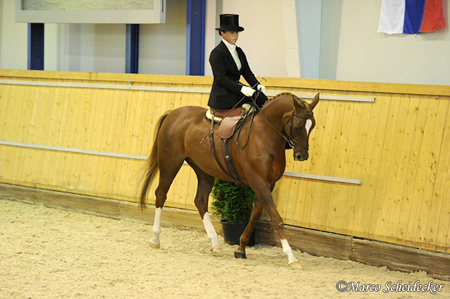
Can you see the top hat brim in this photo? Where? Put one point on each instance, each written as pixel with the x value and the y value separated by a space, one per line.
pixel 230 28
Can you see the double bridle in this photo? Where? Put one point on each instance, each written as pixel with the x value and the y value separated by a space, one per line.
pixel 288 139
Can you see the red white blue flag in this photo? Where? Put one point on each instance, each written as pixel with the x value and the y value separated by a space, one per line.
pixel 411 16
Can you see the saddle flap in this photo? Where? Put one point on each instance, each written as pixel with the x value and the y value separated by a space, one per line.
pixel 226 129
pixel 228 119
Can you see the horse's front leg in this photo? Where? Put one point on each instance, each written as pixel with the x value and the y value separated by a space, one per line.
pixel 263 192
pixel 245 237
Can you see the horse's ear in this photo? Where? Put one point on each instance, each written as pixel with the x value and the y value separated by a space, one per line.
pixel 298 106
pixel 314 102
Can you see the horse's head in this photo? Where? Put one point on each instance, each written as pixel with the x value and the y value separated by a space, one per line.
pixel 299 125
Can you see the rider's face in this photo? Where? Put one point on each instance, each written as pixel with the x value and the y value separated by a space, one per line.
pixel 230 36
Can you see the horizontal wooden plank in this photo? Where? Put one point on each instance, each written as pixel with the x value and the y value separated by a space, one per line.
pixel 401 258
pixel 106 207
pixel 107 77
pixel 318 243
pixel 318 84
pixel 186 89
pixel 314 242
pixel 392 88
pixel 62 200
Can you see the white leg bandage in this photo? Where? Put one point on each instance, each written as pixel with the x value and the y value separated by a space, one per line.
pixel 156 227
pixel 287 249
pixel 210 231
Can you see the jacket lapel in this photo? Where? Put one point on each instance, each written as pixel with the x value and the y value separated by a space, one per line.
pixel 224 49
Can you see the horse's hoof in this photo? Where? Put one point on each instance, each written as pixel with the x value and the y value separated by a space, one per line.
pixel 217 251
pixel 239 255
pixel 154 245
pixel 295 265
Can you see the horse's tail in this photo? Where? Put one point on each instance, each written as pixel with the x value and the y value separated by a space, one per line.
pixel 152 165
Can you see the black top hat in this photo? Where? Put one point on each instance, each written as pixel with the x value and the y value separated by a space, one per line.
pixel 229 23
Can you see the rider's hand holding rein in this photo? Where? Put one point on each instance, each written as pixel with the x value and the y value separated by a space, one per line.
pixel 247 91
pixel 262 88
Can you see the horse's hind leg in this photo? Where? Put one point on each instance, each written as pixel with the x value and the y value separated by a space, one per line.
pixel 205 184
pixel 168 171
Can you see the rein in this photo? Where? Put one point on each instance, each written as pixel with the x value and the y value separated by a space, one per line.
pixel 249 129
pixel 288 139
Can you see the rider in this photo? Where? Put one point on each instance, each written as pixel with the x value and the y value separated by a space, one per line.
pixel 228 63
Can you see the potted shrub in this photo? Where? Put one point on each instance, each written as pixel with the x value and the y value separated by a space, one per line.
pixel 233 204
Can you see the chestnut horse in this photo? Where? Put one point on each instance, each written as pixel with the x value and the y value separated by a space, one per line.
pixel 260 164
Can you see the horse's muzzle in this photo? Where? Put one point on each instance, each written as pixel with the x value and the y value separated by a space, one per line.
pixel 298 156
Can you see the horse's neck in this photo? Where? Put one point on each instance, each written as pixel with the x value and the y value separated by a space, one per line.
pixel 275 111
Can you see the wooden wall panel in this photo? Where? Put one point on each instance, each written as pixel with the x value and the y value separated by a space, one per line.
pixel 398 146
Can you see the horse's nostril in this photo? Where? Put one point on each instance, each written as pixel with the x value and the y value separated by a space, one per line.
pixel 300 157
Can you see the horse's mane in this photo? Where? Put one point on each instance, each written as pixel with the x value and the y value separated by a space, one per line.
pixel 284 94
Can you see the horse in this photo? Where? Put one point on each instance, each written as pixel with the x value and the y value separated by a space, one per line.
pixel 179 137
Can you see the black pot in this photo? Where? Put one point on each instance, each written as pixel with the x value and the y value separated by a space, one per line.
pixel 232 231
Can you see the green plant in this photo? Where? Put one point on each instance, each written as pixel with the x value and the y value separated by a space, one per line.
pixel 231 202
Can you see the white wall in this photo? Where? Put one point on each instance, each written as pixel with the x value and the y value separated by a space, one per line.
pixel 91 48
pixel 329 38
pixel 1 26
pixel 337 41
pixel 52 42
pixel 13 38
pixel 309 24
pixel 162 47
pixel 352 49
pixel 269 37
pixel 102 47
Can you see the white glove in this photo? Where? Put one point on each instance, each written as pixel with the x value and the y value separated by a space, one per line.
pixel 247 91
pixel 262 88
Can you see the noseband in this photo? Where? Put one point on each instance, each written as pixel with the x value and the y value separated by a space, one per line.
pixel 289 139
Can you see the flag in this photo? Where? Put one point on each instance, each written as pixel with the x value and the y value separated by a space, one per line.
pixel 411 16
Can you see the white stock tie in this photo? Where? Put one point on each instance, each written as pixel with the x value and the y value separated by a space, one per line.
pixel 236 59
